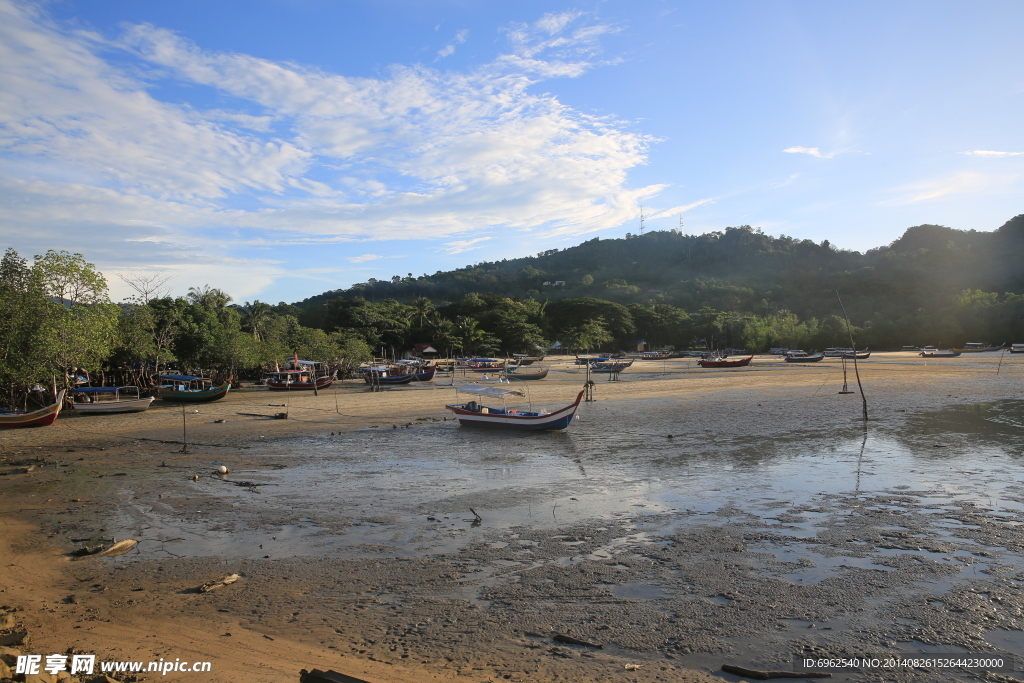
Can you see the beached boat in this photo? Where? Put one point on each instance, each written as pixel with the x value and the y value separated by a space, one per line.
pixel 837 351
pixel 978 347
pixel 109 400
pixel 302 375
pixel 611 367
pixel 940 354
pixel 861 355
pixel 517 373
pixel 189 389
pixel 10 419
pixel 386 374
pixel 717 362
pixel 473 414
pixel 1016 348
pixel 803 357
pixel 655 355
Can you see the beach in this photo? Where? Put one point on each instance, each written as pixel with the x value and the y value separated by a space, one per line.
pixel 689 518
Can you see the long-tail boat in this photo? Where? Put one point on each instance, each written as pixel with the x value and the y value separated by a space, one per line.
pixel 304 374
pixel 723 363
pixel 109 400
pixel 805 358
pixel 189 389
pixel 473 414
pixel 10 419
pixel 517 373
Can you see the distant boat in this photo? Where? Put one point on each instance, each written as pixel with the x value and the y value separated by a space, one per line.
pixel 109 400
pixel 837 352
pixel 384 374
pixel 517 373
pixel 1017 348
pixel 473 414
pixel 978 347
pixel 611 367
pixel 9 419
pixel 940 354
pixel 861 355
pixel 189 389
pixel 805 358
pixel 723 363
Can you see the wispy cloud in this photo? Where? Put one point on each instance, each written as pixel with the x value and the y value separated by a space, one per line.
pixel 812 151
pixel 449 49
pixel 364 258
pixel 460 246
pixel 302 155
pixel 991 153
pixel 966 182
pixel 675 210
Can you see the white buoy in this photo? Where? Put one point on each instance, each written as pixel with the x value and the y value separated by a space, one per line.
pixel 222 469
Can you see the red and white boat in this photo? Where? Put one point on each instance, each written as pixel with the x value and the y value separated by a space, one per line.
pixel 472 413
pixel 32 418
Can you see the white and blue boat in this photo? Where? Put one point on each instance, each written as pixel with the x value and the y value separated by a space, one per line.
pixel 472 413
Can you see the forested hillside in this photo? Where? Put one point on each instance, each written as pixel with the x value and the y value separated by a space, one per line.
pixel 739 286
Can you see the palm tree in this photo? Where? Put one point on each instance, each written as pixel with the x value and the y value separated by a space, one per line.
pixel 208 297
pixel 257 318
pixel 421 309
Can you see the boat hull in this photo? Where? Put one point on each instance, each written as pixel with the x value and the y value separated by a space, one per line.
pixel 804 359
pixel 559 419
pixel 275 385
pixel 135 405
pixel 526 375
pixel 725 363
pixel 205 396
pixel 32 418
pixel 941 354
pixel 396 379
pixel 424 376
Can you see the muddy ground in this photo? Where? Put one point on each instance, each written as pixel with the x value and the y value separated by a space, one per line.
pixel 691 518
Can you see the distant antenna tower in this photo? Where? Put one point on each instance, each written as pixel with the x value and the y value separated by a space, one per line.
pixel 641 219
pixel 682 231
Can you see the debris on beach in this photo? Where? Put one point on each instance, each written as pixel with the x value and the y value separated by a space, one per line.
pixel 329 676
pixel 220 583
pixel 765 675
pixel 569 640
pixel 117 548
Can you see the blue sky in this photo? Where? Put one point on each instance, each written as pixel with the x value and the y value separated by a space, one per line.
pixel 281 148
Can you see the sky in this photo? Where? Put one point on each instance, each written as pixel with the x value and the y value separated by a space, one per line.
pixel 277 149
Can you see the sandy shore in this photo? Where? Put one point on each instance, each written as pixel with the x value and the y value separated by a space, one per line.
pixel 388 618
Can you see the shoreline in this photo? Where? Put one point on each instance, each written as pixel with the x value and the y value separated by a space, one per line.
pixel 774 398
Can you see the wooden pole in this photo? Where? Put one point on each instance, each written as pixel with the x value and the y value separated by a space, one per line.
pixel 856 370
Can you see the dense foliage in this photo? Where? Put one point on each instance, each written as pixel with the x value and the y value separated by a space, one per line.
pixel 60 323
pixel 735 288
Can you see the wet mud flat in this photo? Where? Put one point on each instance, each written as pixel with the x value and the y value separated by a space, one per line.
pixel 751 535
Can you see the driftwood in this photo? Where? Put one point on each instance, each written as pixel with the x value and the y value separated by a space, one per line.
pixel 765 675
pixel 219 583
pixel 574 641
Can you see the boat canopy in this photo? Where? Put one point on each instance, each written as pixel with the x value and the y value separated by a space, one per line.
pixel 185 378
pixel 306 362
pixel 99 390
pixel 492 392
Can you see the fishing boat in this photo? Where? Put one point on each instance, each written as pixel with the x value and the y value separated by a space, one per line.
pixel 515 373
pixel 10 419
pixel 803 357
pixel 424 375
pixel 719 362
pixel 940 354
pixel 837 351
pixel 190 389
pixel 303 374
pixel 860 355
pixel 590 360
pixel 978 347
pixel 612 367
pixel 386 374
pixel 1016 348
pixel 655 355
pixel 109 400
pixel 523 359
pixel 472 413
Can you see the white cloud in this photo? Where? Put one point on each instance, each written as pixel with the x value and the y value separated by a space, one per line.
pixel 812 151
pixel 449 49
pixel 364 258
pixel 460 246
pixel 91 159
pixel 991 153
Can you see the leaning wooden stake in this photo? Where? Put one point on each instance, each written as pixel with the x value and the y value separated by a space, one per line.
pixel 856 370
